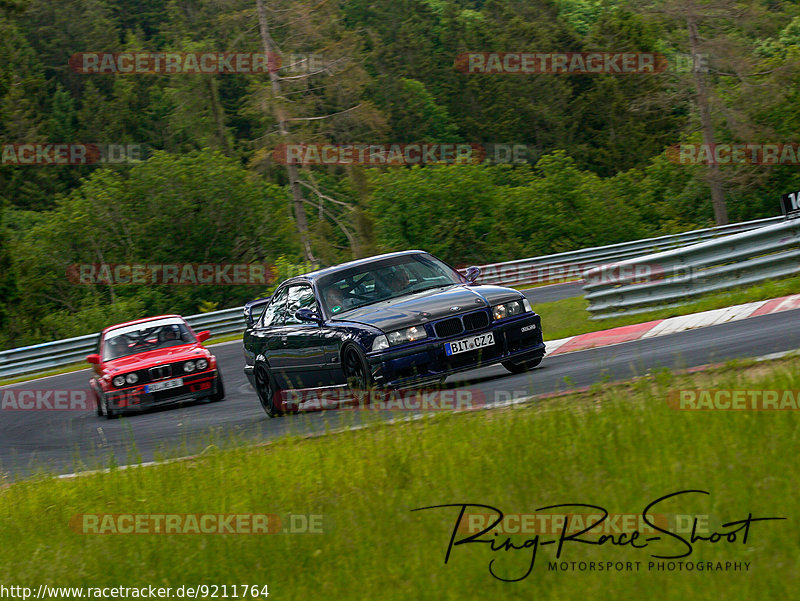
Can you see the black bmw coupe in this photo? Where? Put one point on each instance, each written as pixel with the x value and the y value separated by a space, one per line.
pixel 391 321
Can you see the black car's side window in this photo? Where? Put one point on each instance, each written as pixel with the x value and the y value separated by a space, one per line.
pixel 275 312
pixel 300 297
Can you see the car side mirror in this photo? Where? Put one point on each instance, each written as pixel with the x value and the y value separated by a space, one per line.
pixel 472 274
pixel 203 336
pixel 307 315
pixel 249 318
pixel 94 359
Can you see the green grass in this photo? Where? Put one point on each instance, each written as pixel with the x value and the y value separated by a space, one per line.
pixel 569 317
pixel 617 446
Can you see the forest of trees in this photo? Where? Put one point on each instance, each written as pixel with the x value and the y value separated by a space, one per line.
pixel 208 187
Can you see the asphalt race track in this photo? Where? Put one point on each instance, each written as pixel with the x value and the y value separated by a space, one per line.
pixel 54 440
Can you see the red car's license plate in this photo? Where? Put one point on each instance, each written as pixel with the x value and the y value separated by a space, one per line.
pixel 155 387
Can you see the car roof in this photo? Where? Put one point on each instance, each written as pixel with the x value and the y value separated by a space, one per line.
pixel 320 273
pixel 137 321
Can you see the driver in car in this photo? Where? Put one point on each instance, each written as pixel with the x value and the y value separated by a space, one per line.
pixel 336 300
pixel 399 280
pixel 169 334
pixel 115 347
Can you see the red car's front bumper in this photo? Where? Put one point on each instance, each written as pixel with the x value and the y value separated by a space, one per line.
pixel 193 387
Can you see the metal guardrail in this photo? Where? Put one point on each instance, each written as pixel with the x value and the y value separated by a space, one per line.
pixel 571 265
pixel 50 355
pixel 673 277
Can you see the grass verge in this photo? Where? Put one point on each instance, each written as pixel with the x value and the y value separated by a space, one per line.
pixel 569 317
pixel 618 446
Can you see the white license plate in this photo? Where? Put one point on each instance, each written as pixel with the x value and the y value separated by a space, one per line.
pixel 469 344
pixel 176 383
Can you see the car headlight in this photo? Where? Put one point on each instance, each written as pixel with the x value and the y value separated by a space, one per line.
pixel 407 335
pixel 380 343
pixel 119 381
pixel 131 378
pixel 201 364
pixel 188 367
pixel 527 304
pixel 508 309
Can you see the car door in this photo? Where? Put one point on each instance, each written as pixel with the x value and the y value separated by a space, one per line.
pixel 303 342
pixel 265 338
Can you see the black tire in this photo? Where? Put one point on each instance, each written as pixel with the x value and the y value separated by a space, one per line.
pixel 98 399
pixel 356 370
pixel 219 395
pixel 518 368
pixel 267 391
pixel 110 413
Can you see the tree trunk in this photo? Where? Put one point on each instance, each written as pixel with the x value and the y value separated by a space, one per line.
pixel 714 180
pixel 217 112
pixel 280 114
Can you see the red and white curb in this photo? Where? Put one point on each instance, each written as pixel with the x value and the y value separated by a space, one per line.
pixel 662 327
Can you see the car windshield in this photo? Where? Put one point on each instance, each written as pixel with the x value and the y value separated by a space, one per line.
pixel 147 336
pixel 384 279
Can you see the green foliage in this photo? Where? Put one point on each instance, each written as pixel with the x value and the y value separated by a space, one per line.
pixel 597 171
pixel 285 268
pixel 564 208
pixel 446 211
pixel 583 14
pixel 416 114
pixel 480 214
pixel 197 208
pixel 8 284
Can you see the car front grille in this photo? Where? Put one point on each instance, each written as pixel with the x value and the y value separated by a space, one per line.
pixel 468 322
pixel 476 321
pixel 160 372
pixel 449 327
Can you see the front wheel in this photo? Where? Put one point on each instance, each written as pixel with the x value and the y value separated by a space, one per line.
pixel 356 368
pixel 518 368
pixel 219 395
pixel 268 392
pixel 110 413
pixel 98 400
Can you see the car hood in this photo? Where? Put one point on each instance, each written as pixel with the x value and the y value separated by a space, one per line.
pixel 155 357
pixel 429 305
